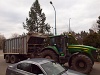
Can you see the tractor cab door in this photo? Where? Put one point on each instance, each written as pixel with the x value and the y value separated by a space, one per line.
pixel 58 43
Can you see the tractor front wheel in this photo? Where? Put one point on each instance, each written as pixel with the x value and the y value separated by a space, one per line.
pixel 82 63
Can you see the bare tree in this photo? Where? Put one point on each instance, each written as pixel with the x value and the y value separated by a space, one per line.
pixel 95 27
pixel 14 35
pixel 2 38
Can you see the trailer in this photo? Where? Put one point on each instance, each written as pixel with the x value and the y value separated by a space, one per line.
pixel 23 47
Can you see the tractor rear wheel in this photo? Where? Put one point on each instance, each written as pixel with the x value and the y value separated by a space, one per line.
pixel 82 63
pixel 49 54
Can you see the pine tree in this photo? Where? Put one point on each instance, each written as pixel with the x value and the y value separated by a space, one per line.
pixel 98 21
pixel 36 20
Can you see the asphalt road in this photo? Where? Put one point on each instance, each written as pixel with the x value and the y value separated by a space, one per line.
pixel 3 66
pixel 96 69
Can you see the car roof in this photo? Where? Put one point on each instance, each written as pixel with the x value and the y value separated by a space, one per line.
pixel 37 61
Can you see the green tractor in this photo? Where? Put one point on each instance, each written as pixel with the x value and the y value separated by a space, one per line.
pixel 79 57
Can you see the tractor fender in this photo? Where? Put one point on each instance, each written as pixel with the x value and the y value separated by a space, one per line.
pixel 70 59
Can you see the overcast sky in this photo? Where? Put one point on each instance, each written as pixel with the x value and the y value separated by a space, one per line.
pixel 83 14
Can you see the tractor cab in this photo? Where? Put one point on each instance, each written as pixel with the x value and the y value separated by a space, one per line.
pixel 60 42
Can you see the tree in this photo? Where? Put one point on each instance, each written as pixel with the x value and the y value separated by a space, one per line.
pixel 94 27
pixel 98 21
pixel 92 40
pixel 14 35
pixel 91 31
pixel 2 38
pixel 71 37
pixel 36 20
pixel 79 38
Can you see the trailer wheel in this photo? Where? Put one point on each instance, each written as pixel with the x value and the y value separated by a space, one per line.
pixel 49 54
pixel 13 59
pixel 7 58
pixel 82 63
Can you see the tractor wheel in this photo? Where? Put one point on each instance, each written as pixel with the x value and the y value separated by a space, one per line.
pixel 49 54
pixel 82 63
pixel 7 58
pixel 13 59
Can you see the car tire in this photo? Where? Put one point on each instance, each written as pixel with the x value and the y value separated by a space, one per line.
pixel 13 59
pixel 7 58
pixel 82 63
pixel 49 54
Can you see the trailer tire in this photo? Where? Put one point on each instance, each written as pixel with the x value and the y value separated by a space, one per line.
pixel 49 54
pixel 7 58
pixel 82 63
pixel 13 59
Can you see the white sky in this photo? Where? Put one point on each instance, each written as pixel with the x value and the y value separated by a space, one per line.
pixel 83 14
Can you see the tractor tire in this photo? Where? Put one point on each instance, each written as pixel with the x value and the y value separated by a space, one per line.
pixel 82 63
pixel 49 54
pixel 7 58
pixel 13 59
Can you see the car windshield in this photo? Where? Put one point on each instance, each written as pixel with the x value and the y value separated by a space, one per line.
pixel 53 68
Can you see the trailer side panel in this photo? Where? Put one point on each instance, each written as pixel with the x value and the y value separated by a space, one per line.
pixel 16 45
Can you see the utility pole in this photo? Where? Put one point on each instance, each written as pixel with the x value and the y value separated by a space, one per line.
pixel 69 25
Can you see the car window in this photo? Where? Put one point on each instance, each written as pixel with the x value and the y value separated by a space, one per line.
pixel 36 69
pixel 32 68
pixel 24 66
